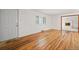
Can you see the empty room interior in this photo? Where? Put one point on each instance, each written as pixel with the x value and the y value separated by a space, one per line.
pixel 39 29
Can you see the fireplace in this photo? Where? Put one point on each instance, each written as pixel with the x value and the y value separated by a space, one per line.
pixel 67 24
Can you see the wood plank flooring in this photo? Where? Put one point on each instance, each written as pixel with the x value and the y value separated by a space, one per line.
pixel 47 40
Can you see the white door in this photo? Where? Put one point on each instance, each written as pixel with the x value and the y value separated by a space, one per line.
pixel 8 22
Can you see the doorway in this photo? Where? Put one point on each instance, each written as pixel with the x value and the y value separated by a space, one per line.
pixel 70 23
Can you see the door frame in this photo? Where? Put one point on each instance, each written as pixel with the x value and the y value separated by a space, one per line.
pixel 67 16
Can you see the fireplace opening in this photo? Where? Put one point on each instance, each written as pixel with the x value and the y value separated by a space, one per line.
pixel 67 24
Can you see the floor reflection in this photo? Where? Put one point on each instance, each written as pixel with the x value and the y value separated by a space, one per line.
pixel 41 42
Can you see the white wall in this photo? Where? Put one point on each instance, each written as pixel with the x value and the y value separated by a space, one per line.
pixel 27 22
pixel 56 22
pixel 8 19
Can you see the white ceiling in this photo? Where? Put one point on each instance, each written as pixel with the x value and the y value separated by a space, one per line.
pixel 56 11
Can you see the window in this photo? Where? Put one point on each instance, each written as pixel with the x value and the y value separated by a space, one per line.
pixel 37 19
pixel 40 20
pixel 44 20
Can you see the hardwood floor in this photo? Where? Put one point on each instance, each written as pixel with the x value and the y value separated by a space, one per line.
pixel 48 40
